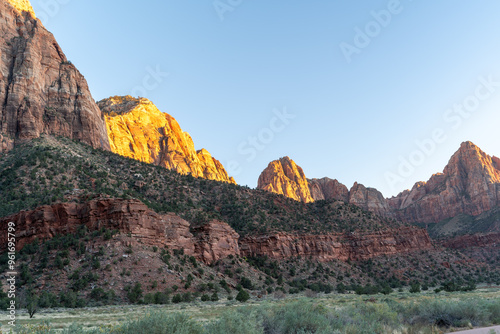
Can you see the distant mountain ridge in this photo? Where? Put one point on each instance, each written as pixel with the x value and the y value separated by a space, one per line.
pixel 469 184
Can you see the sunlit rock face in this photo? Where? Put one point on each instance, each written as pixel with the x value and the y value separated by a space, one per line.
pixel 138 130
pixel 469 184
pixel 284 177
pixel 41 91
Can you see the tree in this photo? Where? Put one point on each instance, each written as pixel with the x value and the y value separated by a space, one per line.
pixel 415 287
pixel 242 296
pixel 214 297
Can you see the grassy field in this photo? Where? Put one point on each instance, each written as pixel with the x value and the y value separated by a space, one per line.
pixel 400 312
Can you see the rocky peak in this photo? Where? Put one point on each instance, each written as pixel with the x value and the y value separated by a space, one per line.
pixel 139 130
pixel 470 162
pixel 41 91
pixel 469 184
pixel 286 178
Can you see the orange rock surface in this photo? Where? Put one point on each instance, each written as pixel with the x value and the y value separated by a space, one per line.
pixel 138 130
pixel 284 177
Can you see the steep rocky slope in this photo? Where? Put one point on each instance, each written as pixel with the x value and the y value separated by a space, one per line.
pixel 40 90
pixel 469 184
pixel 138 130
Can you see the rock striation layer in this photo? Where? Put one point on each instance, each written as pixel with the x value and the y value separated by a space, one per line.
pixel 343 247
pixel 40 90
pixel 138 130
pixel 472 241
pixel 209 242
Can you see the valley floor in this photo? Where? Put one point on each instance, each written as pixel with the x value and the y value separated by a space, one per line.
pixel 204 313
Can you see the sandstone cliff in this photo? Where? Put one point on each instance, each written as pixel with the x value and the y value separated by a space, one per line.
pixel 209 242
pixel 476 240
pixel 328 189
pixel 469 184
pixel 344 247
pixel 284 177
pixel 41 92
pixel 138 130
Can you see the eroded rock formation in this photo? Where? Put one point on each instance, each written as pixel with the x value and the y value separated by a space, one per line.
pixel 344 247
pixel 209 242
pixel 469 184
pixel 285 177
pixel 138 130
pixel 40 90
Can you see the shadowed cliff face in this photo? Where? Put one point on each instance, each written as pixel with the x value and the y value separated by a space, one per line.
pixel 209 242
pixel 138 130
pixel 469 184
pixel 41 92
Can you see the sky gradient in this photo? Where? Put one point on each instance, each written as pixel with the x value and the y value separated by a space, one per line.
pixel 253 81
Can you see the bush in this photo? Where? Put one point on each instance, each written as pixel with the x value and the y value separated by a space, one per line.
pixel 134 295
pixel 242 296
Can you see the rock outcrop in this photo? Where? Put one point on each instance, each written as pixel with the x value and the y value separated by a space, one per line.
pixel 40 90
pixel 216 240
pixel 210 242
pixel 138 130
pixel 369 199
pixel 284 177
pixel 337 246
pixel 328 189
pixel 472 241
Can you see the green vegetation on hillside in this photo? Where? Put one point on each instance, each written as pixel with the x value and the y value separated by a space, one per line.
pixel 49 170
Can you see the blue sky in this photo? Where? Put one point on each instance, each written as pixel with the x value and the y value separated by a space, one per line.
pixel 421 79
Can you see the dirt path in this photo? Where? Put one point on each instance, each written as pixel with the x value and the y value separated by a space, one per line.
pixel 487 330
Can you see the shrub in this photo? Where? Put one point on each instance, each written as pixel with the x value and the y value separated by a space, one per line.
pixel 242 296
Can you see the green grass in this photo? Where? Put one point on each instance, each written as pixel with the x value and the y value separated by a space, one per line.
pixel 402 312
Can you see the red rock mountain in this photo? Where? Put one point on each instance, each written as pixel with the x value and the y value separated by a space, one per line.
pixel 138 130
pixel 40 90
pixel 210 242
pixel 286 178
pixel 469 184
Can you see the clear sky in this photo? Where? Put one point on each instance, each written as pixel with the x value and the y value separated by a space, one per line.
pixel 348 89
